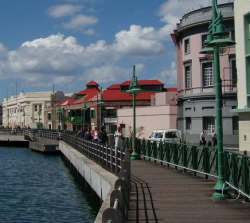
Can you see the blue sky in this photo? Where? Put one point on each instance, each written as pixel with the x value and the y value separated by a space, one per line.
pixel 70 42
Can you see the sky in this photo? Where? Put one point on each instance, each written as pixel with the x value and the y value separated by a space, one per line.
pixel 67 43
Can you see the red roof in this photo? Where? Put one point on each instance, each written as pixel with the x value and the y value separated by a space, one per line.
pixel 88 91
pixel 114 87
pixel 144 82
pixel 67 102
pixel 87 94
pixel 117 95
pixel 173 89
pixel 92 83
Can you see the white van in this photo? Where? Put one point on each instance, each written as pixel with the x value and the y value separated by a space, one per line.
pixel 166 135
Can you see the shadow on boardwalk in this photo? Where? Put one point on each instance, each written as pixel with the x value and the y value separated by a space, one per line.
pixel 161 194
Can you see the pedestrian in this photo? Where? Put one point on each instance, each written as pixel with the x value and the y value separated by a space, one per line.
pixel 87 135
pixel 103 138
pixel 214 138
pixel 203 138
pixel 118 137
pixel 95 135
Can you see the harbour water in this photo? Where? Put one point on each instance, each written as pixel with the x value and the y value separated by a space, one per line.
pixel 35 188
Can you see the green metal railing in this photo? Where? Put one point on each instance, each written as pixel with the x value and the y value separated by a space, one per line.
pixel 200 160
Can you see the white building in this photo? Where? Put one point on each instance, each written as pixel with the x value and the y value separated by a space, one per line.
pixel 242 37
pixel 26 110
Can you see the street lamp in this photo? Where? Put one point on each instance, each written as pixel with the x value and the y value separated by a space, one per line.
pixel 84 108
pixel 134 89
pixel 217 38
pixel 100 104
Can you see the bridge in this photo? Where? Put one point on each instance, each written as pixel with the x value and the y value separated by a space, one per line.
pixel 171 182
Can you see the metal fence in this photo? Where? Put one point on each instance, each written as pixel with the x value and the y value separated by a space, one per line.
pixel 115 160
pixel 202 160
pixel 8 131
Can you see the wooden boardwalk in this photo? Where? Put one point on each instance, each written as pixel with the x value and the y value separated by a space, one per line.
pixel 162 194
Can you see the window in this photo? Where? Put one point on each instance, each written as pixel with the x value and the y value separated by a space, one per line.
pixel 188 76
pixel 208 124
pixel 235 120
pixel 158 135
pixel 92 113
pixel 203 39
pixel 233 72
pixel 110 113
pixel 49 116
pixel 170 135
pixel 188 123
pixel 35 107
pixel 187 46
pixel 207 74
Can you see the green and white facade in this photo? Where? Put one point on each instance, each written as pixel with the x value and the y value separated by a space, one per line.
pixel 242 37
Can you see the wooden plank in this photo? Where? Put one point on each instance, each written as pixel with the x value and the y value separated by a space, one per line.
pixel 162 194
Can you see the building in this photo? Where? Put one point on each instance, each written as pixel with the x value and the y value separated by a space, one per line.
pixel 242 37
pixel 1 115
pixel 162 114
pixel 195 77
pixel 26 109
pixel 94 107
pixel 50 111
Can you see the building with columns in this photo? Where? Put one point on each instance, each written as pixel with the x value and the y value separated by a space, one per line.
pixel 242 38
pixel 26 109
pixel 195 77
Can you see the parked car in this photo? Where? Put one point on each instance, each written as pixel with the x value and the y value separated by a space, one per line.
pixel 166 135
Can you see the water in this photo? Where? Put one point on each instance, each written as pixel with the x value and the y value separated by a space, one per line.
pixel 38 188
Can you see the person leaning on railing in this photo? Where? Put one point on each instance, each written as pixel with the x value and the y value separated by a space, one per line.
pixel 118 138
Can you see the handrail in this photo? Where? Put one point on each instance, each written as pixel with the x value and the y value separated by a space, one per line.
pixel 119 198
pixel 200 160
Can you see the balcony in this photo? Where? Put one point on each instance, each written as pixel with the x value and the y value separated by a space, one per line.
pixel 228 87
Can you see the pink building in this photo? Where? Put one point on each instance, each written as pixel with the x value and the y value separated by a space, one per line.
pixel 161 115
pixel 195 77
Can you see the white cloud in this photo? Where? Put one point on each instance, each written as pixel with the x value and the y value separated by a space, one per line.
pixel 172 10
pixel 139 41
pixel 63 10
pixel 106 74
pixel 80 21
pixel 168 75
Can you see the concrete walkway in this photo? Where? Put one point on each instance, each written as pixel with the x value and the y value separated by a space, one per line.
pixel 162 194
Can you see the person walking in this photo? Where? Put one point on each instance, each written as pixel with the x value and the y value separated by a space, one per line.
pixel 95 135
pixel 214 138
pixel 203 138
pixel 103 138
pixel 118 137
pixel 87 135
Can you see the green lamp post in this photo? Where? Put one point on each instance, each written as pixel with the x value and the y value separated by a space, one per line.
pixel 84 108
pixel 100 104
pixel 134 89
pixel 217 38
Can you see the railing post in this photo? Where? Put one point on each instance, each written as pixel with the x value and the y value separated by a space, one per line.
pixel 205 161
pixel 245 173
pixel 184 156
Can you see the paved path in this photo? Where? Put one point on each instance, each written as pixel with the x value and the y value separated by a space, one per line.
pixel 162 194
